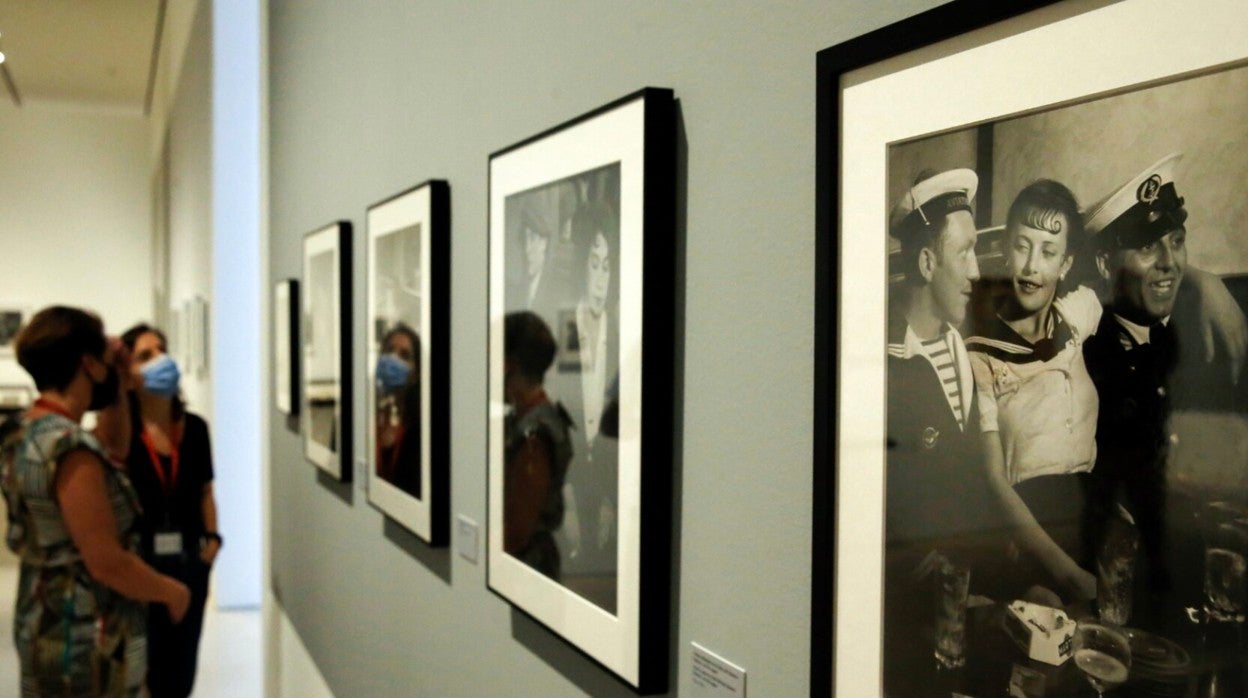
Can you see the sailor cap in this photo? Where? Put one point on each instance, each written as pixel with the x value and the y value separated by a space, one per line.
pixel 1140 211
pixel 931 199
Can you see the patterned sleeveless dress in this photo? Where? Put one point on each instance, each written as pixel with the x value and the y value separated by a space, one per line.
pixel 74 636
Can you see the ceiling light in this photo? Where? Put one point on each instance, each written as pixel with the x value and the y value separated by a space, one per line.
pixel 1 56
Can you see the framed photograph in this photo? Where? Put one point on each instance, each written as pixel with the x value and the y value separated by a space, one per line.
pixel 175 334
pixel 325 390
pixel 1030 432
pixel 189 345
pixel 11 320
pixel 286 346
pixel 408 330
pixel 580 307
pixel 202 321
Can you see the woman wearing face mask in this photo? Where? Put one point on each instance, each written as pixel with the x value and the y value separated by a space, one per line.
pixel 79 620
pixel 170 463
pixel 398 410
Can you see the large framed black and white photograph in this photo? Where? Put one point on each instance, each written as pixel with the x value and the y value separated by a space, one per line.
pixel 1031 458
pixel 581 264
pixel 408 355
pixel 325 390
pixel 286 346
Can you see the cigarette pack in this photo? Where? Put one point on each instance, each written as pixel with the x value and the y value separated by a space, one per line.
pixel 1045 634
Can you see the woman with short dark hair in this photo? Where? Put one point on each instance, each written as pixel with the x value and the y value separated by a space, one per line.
pixel 79 620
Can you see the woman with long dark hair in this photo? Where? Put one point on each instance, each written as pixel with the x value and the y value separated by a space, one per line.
pixel 170 463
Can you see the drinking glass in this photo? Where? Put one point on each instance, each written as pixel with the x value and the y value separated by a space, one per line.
pixel 1226 581
pixel 1115 572
pixel 1103 654
pixel 952 584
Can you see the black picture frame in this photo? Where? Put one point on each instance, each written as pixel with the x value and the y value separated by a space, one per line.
pixel 286 345
pixel 418 217
pixel 943 23
pixel 325 350
pixel 619 614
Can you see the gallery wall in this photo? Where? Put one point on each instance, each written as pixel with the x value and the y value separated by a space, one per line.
pixel 368 99
pixel 75 221
pixel 214 253
pixel 190 190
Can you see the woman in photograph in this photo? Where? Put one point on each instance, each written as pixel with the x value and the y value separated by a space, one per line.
pixel 588 369
pixel 1038 405
pixel 170 463
pixel 398 409
pixel 79 623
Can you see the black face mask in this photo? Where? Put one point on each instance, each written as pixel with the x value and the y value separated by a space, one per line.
pixel 105 393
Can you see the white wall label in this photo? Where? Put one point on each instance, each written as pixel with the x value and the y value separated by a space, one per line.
pixel 714 676
pixel 466 542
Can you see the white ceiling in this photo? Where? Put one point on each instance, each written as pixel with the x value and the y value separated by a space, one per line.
pixel 88 51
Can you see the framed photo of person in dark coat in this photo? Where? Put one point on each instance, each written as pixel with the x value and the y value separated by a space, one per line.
pixel 581 244
pixel 1030 343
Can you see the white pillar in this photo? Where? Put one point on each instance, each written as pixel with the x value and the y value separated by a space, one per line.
pixel 237 251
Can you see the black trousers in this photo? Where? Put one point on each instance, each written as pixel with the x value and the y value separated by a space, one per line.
pixel 173 650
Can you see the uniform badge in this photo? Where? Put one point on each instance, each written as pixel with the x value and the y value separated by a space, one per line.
pixel 930 436
pixel 1149 190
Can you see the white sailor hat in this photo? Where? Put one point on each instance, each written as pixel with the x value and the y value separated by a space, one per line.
pixel 931 199
pixel 1140 211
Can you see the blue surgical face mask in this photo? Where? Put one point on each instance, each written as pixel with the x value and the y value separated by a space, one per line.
pixel 160 376
pixel 392 373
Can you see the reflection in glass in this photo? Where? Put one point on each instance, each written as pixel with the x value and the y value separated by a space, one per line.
pixel 321 356
pixel 397 359
pixel 537 446
pixel 398 410
pixel 562 267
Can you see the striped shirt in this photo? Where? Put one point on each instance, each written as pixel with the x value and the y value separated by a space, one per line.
pixel 940 353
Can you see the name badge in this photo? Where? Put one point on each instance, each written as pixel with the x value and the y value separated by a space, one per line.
pixel 167 543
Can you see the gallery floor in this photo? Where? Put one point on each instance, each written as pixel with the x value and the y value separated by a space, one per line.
pixel 230 655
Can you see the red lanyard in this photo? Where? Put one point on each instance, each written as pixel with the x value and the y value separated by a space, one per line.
pixel 395 448
pixel 46 404
pixel 170 480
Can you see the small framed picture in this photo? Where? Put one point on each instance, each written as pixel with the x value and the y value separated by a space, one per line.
pixel 189 344
pixel 325 390
pixel 202 327
pixel 1029 402
pixel 286 346
pixel 581 266
pixel 11 320
pixel 408 350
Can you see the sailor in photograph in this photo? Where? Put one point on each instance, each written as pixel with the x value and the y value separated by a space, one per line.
pixel 933 420
pixel 1146 353
pixel 938 505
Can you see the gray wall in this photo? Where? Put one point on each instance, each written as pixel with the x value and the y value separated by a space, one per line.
pixel 368 98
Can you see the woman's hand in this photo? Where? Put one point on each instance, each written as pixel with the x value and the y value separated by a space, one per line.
pixel 121 362
pixel 1079 584
pixel 179 600
pixel 208 550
